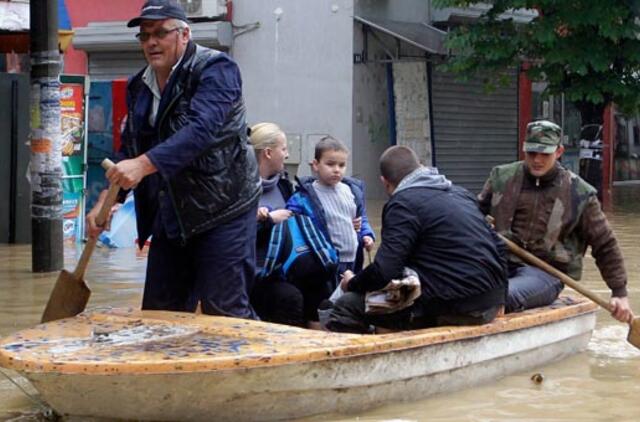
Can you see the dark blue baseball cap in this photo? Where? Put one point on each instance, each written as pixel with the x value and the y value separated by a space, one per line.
pixel 156 10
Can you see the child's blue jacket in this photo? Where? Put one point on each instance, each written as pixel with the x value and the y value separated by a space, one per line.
pixel 305 201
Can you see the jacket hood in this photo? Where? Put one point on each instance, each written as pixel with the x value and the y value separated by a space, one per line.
pixel 424 177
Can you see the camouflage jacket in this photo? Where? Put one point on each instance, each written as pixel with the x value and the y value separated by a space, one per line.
pixel 563 217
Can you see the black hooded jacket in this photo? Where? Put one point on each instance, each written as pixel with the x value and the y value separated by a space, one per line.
pixel 436 229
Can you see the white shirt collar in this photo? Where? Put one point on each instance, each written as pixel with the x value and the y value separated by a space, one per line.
pixel 149 78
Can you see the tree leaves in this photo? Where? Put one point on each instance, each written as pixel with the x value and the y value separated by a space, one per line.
pixel 587 49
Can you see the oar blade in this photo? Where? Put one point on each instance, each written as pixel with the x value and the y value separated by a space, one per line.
pixel 69 297
pixel 634 332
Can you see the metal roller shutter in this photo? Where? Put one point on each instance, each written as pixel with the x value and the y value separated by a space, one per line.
pixel 109 65
pixel 473 131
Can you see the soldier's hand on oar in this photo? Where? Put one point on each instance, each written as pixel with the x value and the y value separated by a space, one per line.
pixel 621 309
pixel 618 306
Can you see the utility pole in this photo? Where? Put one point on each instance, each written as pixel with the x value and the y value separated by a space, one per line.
pixel 46 155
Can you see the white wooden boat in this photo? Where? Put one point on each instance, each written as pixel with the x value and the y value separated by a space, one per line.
pixel 154 365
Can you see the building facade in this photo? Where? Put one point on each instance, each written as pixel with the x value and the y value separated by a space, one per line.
pixel 369 72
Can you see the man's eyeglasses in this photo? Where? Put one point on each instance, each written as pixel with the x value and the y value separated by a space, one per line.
pixel 159 34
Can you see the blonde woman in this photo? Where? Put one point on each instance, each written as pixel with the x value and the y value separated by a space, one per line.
pixel 274 299
pixel 270 144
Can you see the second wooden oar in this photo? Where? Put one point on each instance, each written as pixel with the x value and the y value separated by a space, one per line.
pixel 634 323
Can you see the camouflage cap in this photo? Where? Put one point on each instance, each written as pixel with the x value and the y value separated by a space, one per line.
pixel 543 136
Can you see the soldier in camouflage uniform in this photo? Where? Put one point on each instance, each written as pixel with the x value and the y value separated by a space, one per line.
pixel 555 215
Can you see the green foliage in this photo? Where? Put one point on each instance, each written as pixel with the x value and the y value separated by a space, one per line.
pixel 587 49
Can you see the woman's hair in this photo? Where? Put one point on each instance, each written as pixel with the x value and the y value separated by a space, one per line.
pixel 265 135
pixel 328 143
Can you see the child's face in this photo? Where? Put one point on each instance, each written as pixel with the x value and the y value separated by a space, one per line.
pixel 331 167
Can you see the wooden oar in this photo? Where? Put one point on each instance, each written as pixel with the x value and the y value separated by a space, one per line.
pixel 634 323
pixel 70 294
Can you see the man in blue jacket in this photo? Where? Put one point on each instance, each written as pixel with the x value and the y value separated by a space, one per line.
pixel 186 154
pixel 436 229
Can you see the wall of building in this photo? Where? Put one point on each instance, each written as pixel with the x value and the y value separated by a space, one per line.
pixel 297 68
pixel 371 123
pixel 396 10
pixel 411 91
pixel 80 14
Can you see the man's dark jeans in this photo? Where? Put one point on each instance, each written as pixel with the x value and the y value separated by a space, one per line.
pixel 530 287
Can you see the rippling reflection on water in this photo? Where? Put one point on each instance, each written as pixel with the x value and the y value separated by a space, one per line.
pixel 115 277
pixel 602 384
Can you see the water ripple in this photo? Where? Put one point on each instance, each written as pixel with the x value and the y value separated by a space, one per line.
pixel 611 342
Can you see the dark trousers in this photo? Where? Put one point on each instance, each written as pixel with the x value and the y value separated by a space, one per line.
pixel 291 303
pixel 348 315
pixel 215 267
pixel 530 287
pixel 278 301
pixel 294 301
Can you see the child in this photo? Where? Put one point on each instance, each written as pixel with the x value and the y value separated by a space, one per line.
pixel 336 205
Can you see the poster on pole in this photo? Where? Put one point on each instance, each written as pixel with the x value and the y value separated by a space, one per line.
pixel 72 122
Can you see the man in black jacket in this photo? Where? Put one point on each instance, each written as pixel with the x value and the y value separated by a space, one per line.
pixel 434 228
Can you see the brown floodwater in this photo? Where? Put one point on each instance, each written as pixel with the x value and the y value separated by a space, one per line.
pixel 600 384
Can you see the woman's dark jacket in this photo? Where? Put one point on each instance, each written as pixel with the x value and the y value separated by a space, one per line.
pixel 264 227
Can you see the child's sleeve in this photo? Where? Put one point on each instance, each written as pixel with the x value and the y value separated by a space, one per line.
pixel 366 229
pixel 294 204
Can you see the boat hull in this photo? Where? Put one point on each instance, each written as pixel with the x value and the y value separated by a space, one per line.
pixel 297 389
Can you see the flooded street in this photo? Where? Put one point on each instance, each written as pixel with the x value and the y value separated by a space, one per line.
pixel 601 384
